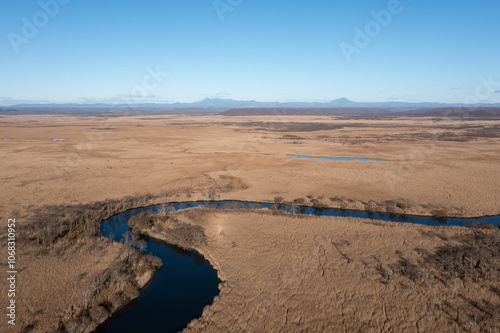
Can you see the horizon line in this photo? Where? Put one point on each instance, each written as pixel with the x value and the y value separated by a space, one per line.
pixel 132 103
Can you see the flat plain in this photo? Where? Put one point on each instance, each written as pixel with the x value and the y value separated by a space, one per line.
pixel 434 165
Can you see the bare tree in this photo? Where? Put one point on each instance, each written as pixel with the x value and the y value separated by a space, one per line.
pixel 213 193
pixel 120 278
pixel 97 312
pixel 72 325
pixel 277 202
pixel 163 209
pixel 141 245
pixel 87 298
pixel 128 238
pixel 293 207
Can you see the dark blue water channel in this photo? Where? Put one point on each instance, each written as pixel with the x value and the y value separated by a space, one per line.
pixel 177 294
pixel 187 283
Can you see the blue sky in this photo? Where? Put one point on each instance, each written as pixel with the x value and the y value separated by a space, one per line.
pixel 104 50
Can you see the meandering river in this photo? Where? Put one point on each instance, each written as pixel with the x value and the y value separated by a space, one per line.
pixel 187 283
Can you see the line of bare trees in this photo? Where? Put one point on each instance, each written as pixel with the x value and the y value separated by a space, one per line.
pixel 48 224
pixel 110 290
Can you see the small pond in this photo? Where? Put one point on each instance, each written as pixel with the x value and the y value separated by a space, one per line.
pixel 337 158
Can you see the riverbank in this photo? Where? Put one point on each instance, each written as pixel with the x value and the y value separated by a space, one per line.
pixel 109 286
pixel 284 273
pixel 140 220
pixel 178 292
pixel 426 164
pixel 446 164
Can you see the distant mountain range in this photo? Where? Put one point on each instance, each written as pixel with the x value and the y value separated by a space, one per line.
pixel 225 104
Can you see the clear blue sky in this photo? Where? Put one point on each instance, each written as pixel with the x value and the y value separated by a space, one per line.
pixel 100 51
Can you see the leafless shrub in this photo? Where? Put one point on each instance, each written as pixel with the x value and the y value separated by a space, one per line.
pixel 213 193
pixel 346 255
pixel 130 291
pixel 385 272
pixel 73 325
pixel 390 206
pixel 144 220
pixel 338 246
pixel 293 207
pixel 421 251
pixel 186 235
pixel 109 290
pixel 141 245
pixel 163 209
pixel 49 224
pixel 299 201
pixel 480 225
pixel 98 312
pixel 440 212
pixel 277 202
pixel 414 272
pixel 31 322
pixel 88 296
pixel 98 281
pixel 128 238
pixel 119 277
pixel 405 204
pixel 335 199
pixel 152 261
pixel 466 261
pixel 317 202
pixel 400 205
pixel 475 258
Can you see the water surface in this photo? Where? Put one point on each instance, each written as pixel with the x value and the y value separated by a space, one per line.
pixel 177 294
pixel 338 158
pixel 187 283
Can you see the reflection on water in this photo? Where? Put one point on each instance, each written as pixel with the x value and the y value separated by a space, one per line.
pixel 178 292
pixel 187 283
pixel 319 211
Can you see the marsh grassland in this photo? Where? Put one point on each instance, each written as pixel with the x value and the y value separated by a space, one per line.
pixel 279 272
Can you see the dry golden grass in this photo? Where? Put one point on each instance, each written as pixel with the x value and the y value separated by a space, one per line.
pixel 198 157
pixel 53 283
pixel 180 152
pixel 329 274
